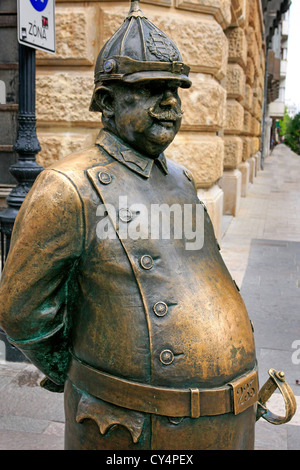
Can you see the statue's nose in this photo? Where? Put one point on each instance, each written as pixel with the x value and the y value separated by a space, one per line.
pixel 169 100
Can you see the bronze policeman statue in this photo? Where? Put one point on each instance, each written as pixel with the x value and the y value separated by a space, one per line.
pixel 147 336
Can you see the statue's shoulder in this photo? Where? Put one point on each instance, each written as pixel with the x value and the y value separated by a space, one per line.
pixel 180 170
pixel 80 161
pixel 174 165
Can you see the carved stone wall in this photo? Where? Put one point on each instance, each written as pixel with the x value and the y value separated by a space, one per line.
pixel 221 40
pixel 244 85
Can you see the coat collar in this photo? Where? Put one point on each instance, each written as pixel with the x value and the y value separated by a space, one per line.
pixel 128 156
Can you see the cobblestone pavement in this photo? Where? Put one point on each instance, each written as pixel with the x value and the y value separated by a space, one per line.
pixel 261 247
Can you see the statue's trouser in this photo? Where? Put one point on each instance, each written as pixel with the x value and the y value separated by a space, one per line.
pixel 226 431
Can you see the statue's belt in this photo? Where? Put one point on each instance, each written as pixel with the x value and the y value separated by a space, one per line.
pixel 234 397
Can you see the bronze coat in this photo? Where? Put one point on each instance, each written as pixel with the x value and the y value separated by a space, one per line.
pixel 59 276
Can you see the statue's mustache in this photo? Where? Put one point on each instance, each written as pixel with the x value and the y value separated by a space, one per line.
pixel 166 115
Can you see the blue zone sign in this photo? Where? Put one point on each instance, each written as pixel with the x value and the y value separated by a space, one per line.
pixel 36 24
pixel 39 5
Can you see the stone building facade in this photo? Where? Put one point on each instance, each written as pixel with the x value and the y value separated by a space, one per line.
pixel 276 102
pixel 223 42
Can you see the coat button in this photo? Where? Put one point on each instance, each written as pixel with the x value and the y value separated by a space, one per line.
pixel 160 309
pixel 166 357
pixel 104 178
pixel 188 174
pixel 125 215
pixel 146 262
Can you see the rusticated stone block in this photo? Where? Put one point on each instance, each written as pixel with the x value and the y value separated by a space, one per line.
pixel 76 37
pixel 237 6
pixel 252 13
pixel 202 155
pixel 258 92
pixel 226 11
pixel 256 108
pixel 234 117
pixel 247 129
pixel 246 148
pixel 255 127
pixel 259 39
pixel 203 104
pixel 235 82
pixel 253 145
pixel 233 151
pixel 58 145
pixel 237 46
pixel 65 97
pixel 262 61
pixel 238 13
pixel 251 41
pixel 200 39
pixel 256 62
pixel 220 9
pixel 256 144
pixel 250 71
pixel 248 98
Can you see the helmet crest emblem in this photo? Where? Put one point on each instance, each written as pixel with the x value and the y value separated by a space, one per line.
pixel 159 45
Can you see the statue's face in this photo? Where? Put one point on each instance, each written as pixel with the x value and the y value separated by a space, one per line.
pixel 147 116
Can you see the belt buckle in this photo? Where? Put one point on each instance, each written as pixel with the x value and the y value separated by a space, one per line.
pixel 244 392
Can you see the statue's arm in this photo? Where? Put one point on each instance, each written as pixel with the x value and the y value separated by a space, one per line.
pixel 46 243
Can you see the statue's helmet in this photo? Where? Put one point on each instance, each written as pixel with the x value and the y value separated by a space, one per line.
pixel 138 51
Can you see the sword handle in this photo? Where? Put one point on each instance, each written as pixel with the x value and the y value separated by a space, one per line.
pixel 276 380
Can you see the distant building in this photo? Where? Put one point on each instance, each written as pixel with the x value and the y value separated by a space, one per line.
pixel 276 80
pixel 292 109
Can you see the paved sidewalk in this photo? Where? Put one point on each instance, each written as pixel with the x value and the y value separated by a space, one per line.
pixel 30 417
pixel 261 248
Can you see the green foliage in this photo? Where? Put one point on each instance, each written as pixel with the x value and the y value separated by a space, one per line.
pixel 292 134
pixel 283 123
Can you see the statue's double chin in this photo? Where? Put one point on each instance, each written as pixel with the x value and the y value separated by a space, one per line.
pixel 161 136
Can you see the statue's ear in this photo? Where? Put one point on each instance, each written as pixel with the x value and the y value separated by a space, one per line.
pixel 105 101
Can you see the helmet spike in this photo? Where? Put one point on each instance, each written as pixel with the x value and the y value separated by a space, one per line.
pixel 138 51
pixel 135 9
